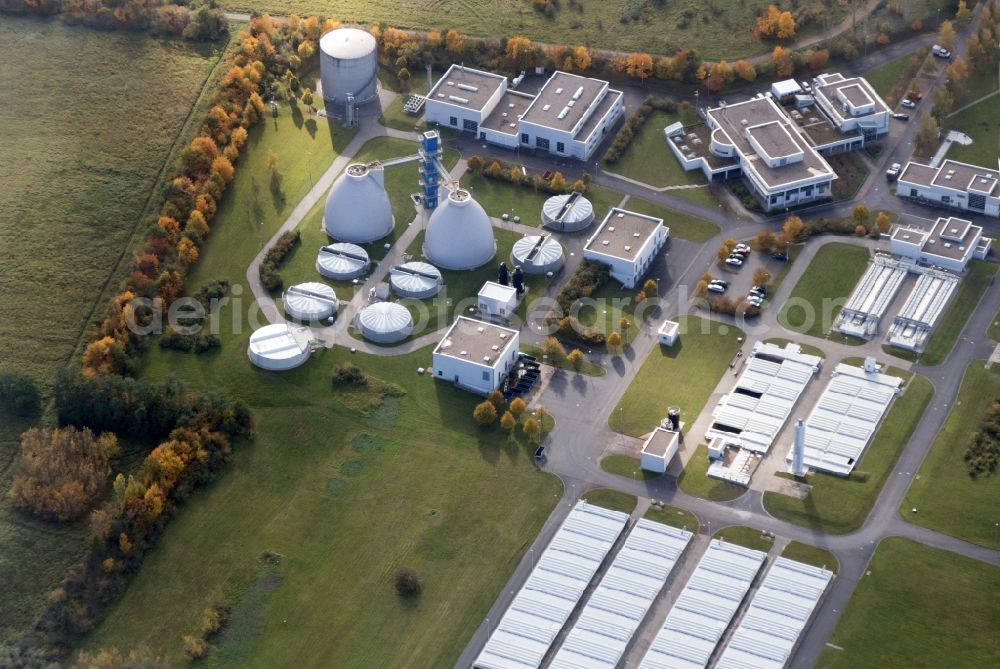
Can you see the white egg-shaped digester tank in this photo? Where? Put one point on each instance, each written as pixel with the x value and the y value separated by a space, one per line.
pixel 278 347
pixel 348 61
pixel 537 254
pixel 459 233
pixel 358 208
pixel 567 213
pixel 385 322
pixel 417 280
pixel 342 261
pixel 310 301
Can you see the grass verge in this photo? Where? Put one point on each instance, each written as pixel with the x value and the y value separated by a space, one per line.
pixel 626 466
pixel 818 557
pixel 745 536
pixel 977 279
pixel 612 499
pixel 671 515
pixel 681 225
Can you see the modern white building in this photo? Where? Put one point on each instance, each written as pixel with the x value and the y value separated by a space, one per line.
pixel 658 450
pixel 669 332
pixel 555 586
pixel 949 244
pixel 628 243
pixel 871 297
pixel 853 106
pixel 496 300
pixel 476 355
pixel 957 185
pixel 568 117
pixel 912 326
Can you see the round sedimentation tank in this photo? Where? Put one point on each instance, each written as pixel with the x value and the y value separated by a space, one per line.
pixel 348 60
pixel 459 233
pixel 310 301
pixel 385 322
pixel 278 347
pixel 567 213
pixel 417 280
pixel 358 209
pixel 537 254
pixel 342 261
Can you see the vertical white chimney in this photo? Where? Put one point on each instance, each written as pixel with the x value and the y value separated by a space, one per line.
pixel 799 449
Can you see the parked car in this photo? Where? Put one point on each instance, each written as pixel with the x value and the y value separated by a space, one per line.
pixel 908 103
pixel 716 288
pixel 540 454
pixel 893 172
pixel 780 256
pixel 719 282
pixel 734 261
pixel 755 301
pixel 742 245
pixel 901 117
pixel 759 290
pixel 940 52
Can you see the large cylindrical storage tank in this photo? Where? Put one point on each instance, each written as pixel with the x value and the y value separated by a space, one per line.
pixel 348 60
pixel 459 233
pixel 537 254
pixel 358 209
pixel 416 280
pixel 310 301
pixel 385 322
pixel 278 347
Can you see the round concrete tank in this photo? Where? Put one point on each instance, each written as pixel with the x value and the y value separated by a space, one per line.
pixel 537 254
pixel 348 66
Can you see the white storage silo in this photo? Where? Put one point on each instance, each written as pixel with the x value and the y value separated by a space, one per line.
pixel 385 322
pixel 358 209
pixel 310 301
pixel 348 60
pixel 278 347
pixel 459 233
pixel 417 280
pixel 567 213
pixel 342 261
pixel 537 254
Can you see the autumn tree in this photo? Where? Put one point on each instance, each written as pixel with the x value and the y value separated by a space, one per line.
pixel 507 421
pixel 775 24
pixel 860 214
pixel 962 14
pixel 60 473
pixel 575 359
pixel 701 288
pixel 782 59
pixel 946 35
pixel 517 407
pixel 883 222
pixel 650 288
pixel 745 70
pixel 485 413
pixel 521 52
pixel 187 251
pixel 531 428
pixel 558 182
pixel 793 229
pixel 454 42
pixel 761 277
pixel 582 58
pixel 614 342
pixel 765 240
pixel 722 253
pixel 944 102
pixel 927 135
pixel 496 398
pixel 553 349
pixel 786 26
pixel 639 66
pixel 104 356
pixel 818 59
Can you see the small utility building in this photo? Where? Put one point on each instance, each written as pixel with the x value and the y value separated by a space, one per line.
pixel 659 449
pixel 496 299
pixel 627 242
pixel 476 355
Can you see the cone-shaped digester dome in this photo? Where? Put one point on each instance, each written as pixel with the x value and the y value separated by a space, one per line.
pixel 459 233
pixel 358 208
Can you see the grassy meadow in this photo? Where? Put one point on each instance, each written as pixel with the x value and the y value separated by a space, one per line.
pixel 83 146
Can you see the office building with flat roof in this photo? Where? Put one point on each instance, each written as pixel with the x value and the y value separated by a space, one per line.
pixel 956 185
pixel 852 104
pixel 476 355
pixel 628 243
pixel 950 244
pixel 464 98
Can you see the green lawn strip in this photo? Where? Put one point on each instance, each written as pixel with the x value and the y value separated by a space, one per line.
pixel 818 557
pixel 694 480
pixel 681 225
pixel 949 326
pixel 648 158
pixel 918 607
pixel 901 353
pixel 745 536
pixel 671 515
pixel 500 197
pixel 689 370
pixel 947 499
pixel 779 276
pixel 806 348
pixel 886 76
pixel 994 331
pixel 589 368
pixel 626 466
pixel 982 124
pixel 612 499
pixel 823 289
pixel 839 505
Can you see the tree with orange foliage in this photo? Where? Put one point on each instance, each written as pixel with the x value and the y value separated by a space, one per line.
pixel 103 356
pixel 196 225
pixel 745 70
pixel 170 286
pixel 434 39
pixel 187 251
pixel 454 42
pixel 775 24
pixel 582 58
pixel 223 168
pixel 639 65
pixel 782 58
pixel 521 52
pixel 817 60
pixel 786 26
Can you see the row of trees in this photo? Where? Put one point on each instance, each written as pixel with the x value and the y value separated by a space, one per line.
pixel 514 173
pixel 511 415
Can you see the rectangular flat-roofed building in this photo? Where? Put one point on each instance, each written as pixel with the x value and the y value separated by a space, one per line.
pixel 852 104
pixel 949 244
pixel 953 184
pixel 628 243
pixel 464 97
pixel 476 355
pixel 658 450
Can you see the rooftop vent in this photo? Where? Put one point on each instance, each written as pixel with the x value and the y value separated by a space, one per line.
pixel 562 114
pixel 504 114
pixel 510 105
pixel 636 234
pixel 513 125
pixel 451 83
pixel 605 242
pixel 467 87
pixel 463 353
pixel 486 358
pixel 571 103
pixel 621 215
pixel 579 92
pixel 947 245
pixel 495 347
pixel 480 329
pixel 546 107
pixel 559 91
pixel 503 335
pixel 611 228
pixel 947 177
pixel 744 122
pixel 455 98
pixel 440 95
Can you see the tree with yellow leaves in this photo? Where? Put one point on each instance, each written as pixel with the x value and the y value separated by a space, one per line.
pixel 187 251
pixel 639 65
pixel 454 42
pixel 782 58
pixel 582 58
pixel 521 52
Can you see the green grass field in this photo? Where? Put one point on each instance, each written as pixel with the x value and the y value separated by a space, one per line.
pixel 671 515
pixel 745 536
pixel 627 466
pixel 611 499
pixel 823 289
pixel 918 607
pixel 979 121
pixel 886 76
pixel 818 557
pixel 681 225
pixel 648 158
pixel 500 197
pixel 694 480
pixel 946 498
pixel 838 505
pixel 952 321
pixel 689 371
pixel 83 146
pixel 718 29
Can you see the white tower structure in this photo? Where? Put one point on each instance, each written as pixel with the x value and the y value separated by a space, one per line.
pixel 799 450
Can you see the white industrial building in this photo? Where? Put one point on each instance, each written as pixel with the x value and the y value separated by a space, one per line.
pixel 279 347
pixel 476 355
pixel 358 209
pixel 497 300
pixel 459 234
pixel 628 243
pixel 776 617
pixel 568 117
pixel 754 411
pixel 950 244
pixel 556 583
pixel 416 280
pixel 853 106
pixel 348 60
pixel 846 417
pixel 953 184
pixel 658 450
pixel 871 297
pixel 669 332
pixel 912 326
pixel 615 610
pixel 704 608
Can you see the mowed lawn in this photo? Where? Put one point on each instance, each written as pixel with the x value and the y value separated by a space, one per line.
pixel 947 499
pixel 918 607
pixel 823 289
pixel 500 197
pixel 980 122
pixel 681 225
pixel 682 375
pixel 88 119
pixel 838 505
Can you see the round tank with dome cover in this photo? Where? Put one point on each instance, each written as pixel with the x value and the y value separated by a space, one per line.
pixel 342 261
pixel 459 233
pixel 348 61
pixel 417 280
pixel 385 322
pixel 537 254
pixel 310 301
pixel 278 347
pixel 567 213
pixel 358 209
